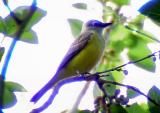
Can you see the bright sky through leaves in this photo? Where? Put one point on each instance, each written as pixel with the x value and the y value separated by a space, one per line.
pixel 33 65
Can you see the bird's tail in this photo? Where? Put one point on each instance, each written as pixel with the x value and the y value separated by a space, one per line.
pixel 44 89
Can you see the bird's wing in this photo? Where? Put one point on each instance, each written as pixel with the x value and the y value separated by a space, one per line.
pixel 76 47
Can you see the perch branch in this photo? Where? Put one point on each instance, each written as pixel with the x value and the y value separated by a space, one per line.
pixel 93 77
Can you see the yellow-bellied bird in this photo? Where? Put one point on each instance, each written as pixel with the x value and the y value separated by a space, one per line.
pixel 82 56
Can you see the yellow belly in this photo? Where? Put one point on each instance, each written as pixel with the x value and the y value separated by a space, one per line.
pixel 85 60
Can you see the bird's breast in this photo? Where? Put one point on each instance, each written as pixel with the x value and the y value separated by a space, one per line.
pixel 87 58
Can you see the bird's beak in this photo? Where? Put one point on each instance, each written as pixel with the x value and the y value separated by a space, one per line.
pixel 103 25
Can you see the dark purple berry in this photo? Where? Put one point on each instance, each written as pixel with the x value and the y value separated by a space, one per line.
pixel 154 59
pixel 125 72
pixel 116 93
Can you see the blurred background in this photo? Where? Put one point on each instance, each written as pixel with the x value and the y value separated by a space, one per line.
pixel 32 65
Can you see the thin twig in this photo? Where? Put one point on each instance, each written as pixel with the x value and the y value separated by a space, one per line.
pixel 148 36
pixel 130 62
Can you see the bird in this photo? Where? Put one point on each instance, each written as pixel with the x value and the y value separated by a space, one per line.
pixel 82 56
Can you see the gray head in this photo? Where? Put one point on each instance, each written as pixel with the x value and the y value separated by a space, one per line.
pixel 95 25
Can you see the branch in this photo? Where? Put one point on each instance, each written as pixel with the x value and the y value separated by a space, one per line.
pixel 93 77
pixel 88 77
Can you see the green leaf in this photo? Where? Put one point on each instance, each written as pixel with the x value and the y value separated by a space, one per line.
pixel 37 16
pixel 22 11
pixel 76 26
pixel 80 5
pixel 110 88
pixel 96 92
pixel 2 49
pixel 108 12
pixel 9 99
pixel 125 36
pixel 114 108
pixel 121 2
pixel 2 25
pixel 138 21
pixel 118 76
pixel 117 36
pixel 140 50
pixel 151 9
pixel 109 60
pixel 135 108
pixel 12 27
pixel 119 32
pixel 14 87
pixel 131 93
pixel 154 93
pixel 145 107
pixel 29 36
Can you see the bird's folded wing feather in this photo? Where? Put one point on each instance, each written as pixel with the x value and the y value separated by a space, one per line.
pixel 78 45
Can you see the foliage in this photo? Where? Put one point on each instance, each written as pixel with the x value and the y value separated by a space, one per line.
pixel 80 6
pixel 76 26
pixel 151 9
pixel 18 26
pixel 11 27
pixel 154 93
pixel 9 97
pixel 132 37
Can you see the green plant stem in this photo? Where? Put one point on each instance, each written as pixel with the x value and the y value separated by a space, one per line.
pixel 12 46
pixel 17 37
pixel 140 32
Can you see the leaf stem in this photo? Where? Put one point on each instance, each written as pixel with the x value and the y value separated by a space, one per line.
pixel 142 33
